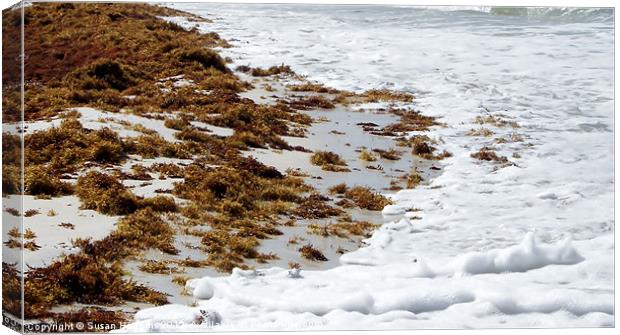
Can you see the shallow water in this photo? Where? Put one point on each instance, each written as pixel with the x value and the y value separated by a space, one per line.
pixel 334 130
pixel 347 145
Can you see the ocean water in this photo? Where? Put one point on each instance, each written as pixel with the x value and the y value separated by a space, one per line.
pixel 527 245
pixel 551 69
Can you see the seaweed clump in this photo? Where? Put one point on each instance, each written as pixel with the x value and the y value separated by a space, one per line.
pixel 105 74
pixel 62 149
pixel 83 279
pixel 311 102
pixel 342 229
pixel 338 188
pixel 205 57
pixel 159 203
pixel 104 193
pixel 160 267
pixel 422 147
pixel 329 161
pixel 390 154
pixel 481 132
pixel 312 87
pixel 413 179
pixel 374 95
pixel 360 196
pixel 227 251
pixel 409 121
pixel 497 120
pixel 271 71
pixel 11 289
pixel 39 182
pixel 488 154
pixel 143 230
pixel 367 156
pixel 310 252
pixel 315 206
pixel 377 95
pixel 11 179
pixel 367 199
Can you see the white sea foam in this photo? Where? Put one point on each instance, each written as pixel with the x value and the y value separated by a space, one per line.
pixel 404 293
pixel 528 245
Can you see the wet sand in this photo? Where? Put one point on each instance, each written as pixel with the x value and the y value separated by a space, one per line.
pixel 337 130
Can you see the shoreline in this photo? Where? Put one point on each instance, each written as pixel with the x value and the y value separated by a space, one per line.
pixel 331 237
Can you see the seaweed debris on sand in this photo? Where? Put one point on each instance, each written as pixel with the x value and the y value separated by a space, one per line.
pixel 147 125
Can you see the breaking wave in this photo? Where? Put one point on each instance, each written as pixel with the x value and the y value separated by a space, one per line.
pixel 571 13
